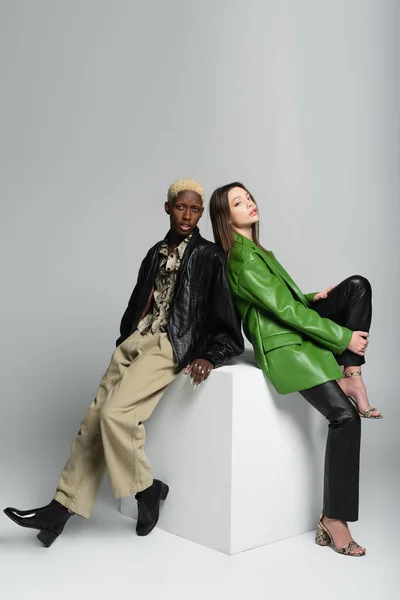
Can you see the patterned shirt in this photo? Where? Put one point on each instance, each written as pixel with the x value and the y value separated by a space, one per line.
pixel 164 288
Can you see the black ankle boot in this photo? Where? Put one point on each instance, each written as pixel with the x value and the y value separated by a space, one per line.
pixel 149 506
pixel 49 519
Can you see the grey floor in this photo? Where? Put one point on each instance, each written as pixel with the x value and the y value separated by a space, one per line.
pixel 103 557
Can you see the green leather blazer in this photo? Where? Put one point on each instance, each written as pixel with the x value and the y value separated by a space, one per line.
pixel 293 345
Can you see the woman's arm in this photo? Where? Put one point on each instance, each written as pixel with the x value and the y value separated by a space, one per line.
pixel 258 285
pixel 317 296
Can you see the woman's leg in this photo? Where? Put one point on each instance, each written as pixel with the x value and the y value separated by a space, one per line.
pixel 350 304
pixel 342 458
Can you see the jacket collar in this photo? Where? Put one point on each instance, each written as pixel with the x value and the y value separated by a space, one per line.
pixel 273 265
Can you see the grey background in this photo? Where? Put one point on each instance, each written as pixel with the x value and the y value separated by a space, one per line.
pixel 104 104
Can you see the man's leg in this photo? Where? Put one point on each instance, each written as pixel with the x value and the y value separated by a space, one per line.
pixel 84 470
pixel 129 404
pixel 82 475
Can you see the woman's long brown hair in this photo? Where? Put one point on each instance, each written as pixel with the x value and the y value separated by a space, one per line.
pixel 220 214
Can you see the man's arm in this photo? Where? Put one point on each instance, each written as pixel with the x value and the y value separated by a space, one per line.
pixel 226 339
pixel 126 321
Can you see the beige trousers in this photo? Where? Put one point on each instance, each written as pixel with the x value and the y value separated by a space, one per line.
pixel 112 433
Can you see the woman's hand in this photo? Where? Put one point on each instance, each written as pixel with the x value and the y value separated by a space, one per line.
pixel 199 370
pixel 359 342
pixel 324 294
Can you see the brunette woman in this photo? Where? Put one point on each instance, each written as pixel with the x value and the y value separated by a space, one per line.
pixel 299 342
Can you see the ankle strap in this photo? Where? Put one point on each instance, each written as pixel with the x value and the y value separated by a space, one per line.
pixel 353 374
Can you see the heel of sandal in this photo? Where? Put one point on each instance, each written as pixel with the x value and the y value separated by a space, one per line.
pixel 321 537
pixel 367 414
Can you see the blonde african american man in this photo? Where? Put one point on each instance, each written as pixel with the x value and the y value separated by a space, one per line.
pixel 180 316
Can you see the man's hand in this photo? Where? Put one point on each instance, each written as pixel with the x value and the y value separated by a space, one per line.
pixel 199 371
pixel 324 294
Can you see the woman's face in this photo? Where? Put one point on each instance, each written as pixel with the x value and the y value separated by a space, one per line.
pixel 243 209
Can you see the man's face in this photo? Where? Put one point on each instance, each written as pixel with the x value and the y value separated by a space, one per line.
pixel 185 212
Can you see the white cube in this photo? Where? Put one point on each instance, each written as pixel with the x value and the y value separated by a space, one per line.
pixel 244 464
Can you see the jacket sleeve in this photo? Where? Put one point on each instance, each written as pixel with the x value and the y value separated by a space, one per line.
pixel 258 285
pixel 225 340
pixel 126 321
pixel 310 297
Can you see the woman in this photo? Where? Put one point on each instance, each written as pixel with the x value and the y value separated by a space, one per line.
pixel 299 342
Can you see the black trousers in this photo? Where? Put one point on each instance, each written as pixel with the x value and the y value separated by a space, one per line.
pixel 349 304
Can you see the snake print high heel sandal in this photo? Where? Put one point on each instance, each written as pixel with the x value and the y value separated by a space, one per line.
pixel 367 414
pixel 324 538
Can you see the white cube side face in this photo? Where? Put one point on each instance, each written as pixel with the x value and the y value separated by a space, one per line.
pixel 277 457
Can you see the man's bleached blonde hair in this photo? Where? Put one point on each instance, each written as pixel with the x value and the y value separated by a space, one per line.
pixel 184 185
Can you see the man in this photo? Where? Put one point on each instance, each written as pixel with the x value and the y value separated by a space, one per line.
pixel 180 314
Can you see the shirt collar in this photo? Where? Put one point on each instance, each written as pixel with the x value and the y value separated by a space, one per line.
pixel 180 249
pixel 183 245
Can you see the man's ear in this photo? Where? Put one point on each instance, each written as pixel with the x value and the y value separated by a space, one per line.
pixel 167 207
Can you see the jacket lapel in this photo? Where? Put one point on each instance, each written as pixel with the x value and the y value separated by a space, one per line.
pixel 191 245
pixel 277 268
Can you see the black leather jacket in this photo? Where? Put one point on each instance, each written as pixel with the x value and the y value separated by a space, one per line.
pixel 203 322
